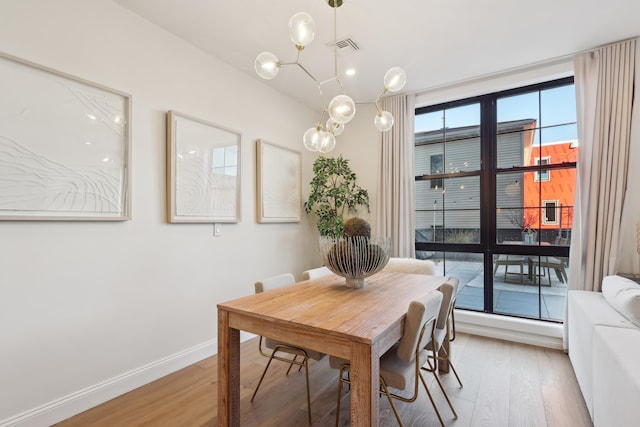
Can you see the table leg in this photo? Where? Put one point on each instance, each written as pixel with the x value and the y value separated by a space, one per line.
pixel 228 372
pixel 443 363
pixel 365 386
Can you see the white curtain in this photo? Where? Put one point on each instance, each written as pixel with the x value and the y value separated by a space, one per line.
pixel 396 199
pixel 629 245
pixel 604 81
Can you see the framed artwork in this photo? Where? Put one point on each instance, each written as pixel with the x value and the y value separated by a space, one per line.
pixel 65 149
pixel 278 177
pixel 203 171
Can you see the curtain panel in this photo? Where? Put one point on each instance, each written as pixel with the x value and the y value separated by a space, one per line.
pixel 396 198
pixel 604 81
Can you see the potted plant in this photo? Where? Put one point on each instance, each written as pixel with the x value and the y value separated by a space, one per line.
pixel 526 220
pixel 334 193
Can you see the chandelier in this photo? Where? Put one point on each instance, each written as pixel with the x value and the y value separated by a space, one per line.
pixel 341 109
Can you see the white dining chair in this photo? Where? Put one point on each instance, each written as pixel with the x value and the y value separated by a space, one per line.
pixel 314 273
pixel 284 352
pixel 445 326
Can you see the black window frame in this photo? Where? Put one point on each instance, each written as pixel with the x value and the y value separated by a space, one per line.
pixel 488 173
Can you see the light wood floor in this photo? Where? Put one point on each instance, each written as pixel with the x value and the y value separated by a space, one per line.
pixel 505 384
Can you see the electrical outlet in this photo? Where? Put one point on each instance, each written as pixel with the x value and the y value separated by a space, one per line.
pixel 217 229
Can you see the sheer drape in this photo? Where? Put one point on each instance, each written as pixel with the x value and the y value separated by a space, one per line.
pixel 396 200
pixel 604 80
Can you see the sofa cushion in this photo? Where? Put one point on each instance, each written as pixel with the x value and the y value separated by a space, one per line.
pixel 585 310
pixel 623 295
pixel 410 265
pixel 616 377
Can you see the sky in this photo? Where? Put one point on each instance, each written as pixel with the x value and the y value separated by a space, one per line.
pixel 553 109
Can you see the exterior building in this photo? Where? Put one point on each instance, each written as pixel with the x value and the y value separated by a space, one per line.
pixel 447 189
pixel 552 190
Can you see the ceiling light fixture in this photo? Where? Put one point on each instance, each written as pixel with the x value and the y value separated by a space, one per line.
pixel 341 109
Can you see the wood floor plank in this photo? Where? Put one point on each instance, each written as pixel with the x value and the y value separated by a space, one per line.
pixel 505 384
pixel 526 403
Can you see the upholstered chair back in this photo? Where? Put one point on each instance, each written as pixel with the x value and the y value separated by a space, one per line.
pixel 421 312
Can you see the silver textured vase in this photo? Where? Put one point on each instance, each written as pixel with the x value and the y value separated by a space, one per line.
pixel 355 258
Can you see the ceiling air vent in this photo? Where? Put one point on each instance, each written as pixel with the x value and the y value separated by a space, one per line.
pixel 345 46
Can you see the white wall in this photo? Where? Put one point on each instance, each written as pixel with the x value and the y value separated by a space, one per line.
pixel 360 144
pixel 89 310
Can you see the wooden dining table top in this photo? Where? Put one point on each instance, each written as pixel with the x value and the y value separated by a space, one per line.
pixel 325 305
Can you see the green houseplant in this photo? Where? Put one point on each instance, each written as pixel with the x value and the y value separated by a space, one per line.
pixel 334 192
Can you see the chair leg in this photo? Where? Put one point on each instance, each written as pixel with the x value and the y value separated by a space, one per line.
pixel 433 403
pixel 306 371
pixel 435 375
pixel 393 406
pixel 304 363
pixel 339 396
pixel 455 372
pixel 292 363
pixel 433 369
pixel 522 272
pixel 262 377
pixel 448 359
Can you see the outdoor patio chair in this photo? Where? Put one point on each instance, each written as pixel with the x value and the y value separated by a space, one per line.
pixel 508 260
pixel 548 263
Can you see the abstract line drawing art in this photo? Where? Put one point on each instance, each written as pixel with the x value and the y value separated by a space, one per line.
pixel 64 146
pixel 203 171
pixel 278 175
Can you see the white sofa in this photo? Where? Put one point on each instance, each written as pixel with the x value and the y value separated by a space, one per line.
pixel 604 348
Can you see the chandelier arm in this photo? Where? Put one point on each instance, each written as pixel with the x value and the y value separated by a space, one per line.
pixel 306 71
pixel 335 41
pixel 322 116
pixel 384 90
pixel 324 107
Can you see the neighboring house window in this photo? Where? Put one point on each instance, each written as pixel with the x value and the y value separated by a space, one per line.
pixel 550 212
pixel 543 174
pixel 436 169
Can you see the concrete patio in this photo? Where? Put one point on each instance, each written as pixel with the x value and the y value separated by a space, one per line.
pixel 530 300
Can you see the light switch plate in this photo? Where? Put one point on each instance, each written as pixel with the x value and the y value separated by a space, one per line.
pixel 217 229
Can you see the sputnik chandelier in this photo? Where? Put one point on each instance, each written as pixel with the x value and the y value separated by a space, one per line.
pixel 341 108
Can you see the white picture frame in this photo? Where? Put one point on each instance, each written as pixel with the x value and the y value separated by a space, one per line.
pixel 278 183
pixel 203 171
pixel 65 146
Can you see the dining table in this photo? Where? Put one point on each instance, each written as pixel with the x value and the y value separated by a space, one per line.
pixel 322 314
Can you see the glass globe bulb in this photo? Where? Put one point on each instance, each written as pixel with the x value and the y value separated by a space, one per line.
pixel 311 138
pixel 395 79
pixel 342 109
pixel 302 29
pixel 383 121
pixel 267 65
pixel 335 128
pixel 327 142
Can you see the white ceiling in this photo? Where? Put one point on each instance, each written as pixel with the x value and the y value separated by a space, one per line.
pixel 437 42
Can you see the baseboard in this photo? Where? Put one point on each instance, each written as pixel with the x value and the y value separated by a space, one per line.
pixel 75 403
pixel 538 333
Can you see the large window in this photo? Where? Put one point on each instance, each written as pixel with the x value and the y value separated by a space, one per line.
pixel 487 210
